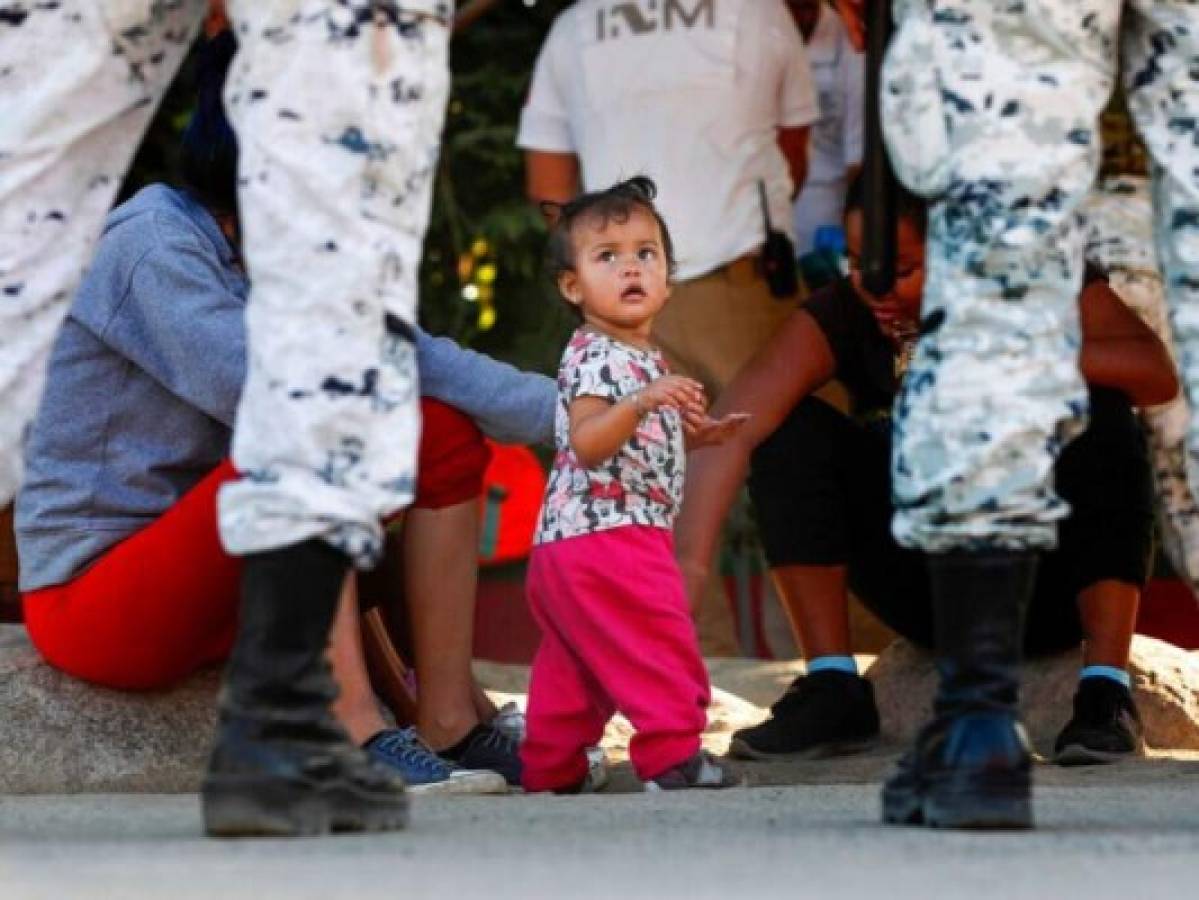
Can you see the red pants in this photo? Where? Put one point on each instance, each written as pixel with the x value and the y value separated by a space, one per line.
pixel 163 602
pixel 616 636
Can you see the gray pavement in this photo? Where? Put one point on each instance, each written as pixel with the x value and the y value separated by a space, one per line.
pixel 1099 836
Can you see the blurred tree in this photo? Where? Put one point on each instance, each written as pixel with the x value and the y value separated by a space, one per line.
pixel 482 279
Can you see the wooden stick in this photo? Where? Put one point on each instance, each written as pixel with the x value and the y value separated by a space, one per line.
pixel 388 671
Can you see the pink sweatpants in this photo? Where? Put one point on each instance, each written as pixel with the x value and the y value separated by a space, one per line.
pixel 616 636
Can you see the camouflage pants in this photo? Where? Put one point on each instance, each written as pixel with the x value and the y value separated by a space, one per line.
pixel 338 105
pixel 991 109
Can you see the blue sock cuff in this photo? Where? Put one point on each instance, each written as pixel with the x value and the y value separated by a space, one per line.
pixel 845 664
pixel 1111 672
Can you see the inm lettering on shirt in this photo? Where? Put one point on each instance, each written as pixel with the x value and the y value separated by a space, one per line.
pixel 647 16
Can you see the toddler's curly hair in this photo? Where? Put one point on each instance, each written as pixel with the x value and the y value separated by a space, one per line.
pixel 614 204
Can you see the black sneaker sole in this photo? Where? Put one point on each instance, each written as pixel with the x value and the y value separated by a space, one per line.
pixel 247 806
pixel 740 749
pixel 1081 755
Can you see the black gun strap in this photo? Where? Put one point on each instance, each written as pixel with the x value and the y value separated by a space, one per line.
pixel 765 207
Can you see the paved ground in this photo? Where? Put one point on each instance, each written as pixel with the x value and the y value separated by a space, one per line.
pixel 1129 833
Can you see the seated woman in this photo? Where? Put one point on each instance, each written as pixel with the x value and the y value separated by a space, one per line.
pixel 820 483
pixel 124 581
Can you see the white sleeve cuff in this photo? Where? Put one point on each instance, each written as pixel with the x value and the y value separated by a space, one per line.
pixel 540 131
pixel 800 116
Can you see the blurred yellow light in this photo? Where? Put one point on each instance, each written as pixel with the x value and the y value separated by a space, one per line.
pixel 486 317
pixel 480 247
pixel 486 273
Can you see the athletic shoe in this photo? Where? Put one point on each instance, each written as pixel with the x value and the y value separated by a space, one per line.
pixel 702 770
pixel 510 721
pixel 596 778
pixel 1106 726
pixel 827 713
pixel 424 771
pixel 486 747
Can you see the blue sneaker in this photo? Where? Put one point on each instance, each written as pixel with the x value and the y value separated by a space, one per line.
pixel 402 750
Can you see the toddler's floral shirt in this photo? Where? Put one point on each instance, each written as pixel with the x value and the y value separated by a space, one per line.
pixel 642 484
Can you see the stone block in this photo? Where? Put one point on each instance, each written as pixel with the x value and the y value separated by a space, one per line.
pixel 1165 682
pixel 59 735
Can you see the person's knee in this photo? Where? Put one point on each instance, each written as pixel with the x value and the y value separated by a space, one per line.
pixel 805 442
pixel 796 487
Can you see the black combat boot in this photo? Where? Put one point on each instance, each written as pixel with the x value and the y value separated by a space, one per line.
pixel 971 765
pixel 282 765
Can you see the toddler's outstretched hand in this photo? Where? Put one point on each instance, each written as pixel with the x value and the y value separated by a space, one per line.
pixel 701 430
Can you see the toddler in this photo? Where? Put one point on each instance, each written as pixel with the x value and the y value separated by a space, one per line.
pixel 603 583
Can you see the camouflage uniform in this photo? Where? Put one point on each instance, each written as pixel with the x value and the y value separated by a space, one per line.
pixel 992 109
pixel 338 105
pixel 1119 230
pixel 80 82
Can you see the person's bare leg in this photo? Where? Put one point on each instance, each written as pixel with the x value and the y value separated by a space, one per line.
pixel 1108 610
pixel 484 708
pixel 816 601
pixel 440 579
pixel 1105 726
pixel 355 706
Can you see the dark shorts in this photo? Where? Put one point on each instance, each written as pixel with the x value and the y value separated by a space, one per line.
pixel 821 487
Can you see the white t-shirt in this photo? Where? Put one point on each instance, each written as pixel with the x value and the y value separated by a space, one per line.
pixel 688 92
pixel 838 70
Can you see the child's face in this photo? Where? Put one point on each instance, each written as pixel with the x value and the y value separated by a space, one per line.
pixel 620 277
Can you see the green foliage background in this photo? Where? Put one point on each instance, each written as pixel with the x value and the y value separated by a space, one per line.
pixel 479 191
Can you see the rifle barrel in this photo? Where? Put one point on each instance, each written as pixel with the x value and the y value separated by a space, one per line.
pixel 878 178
